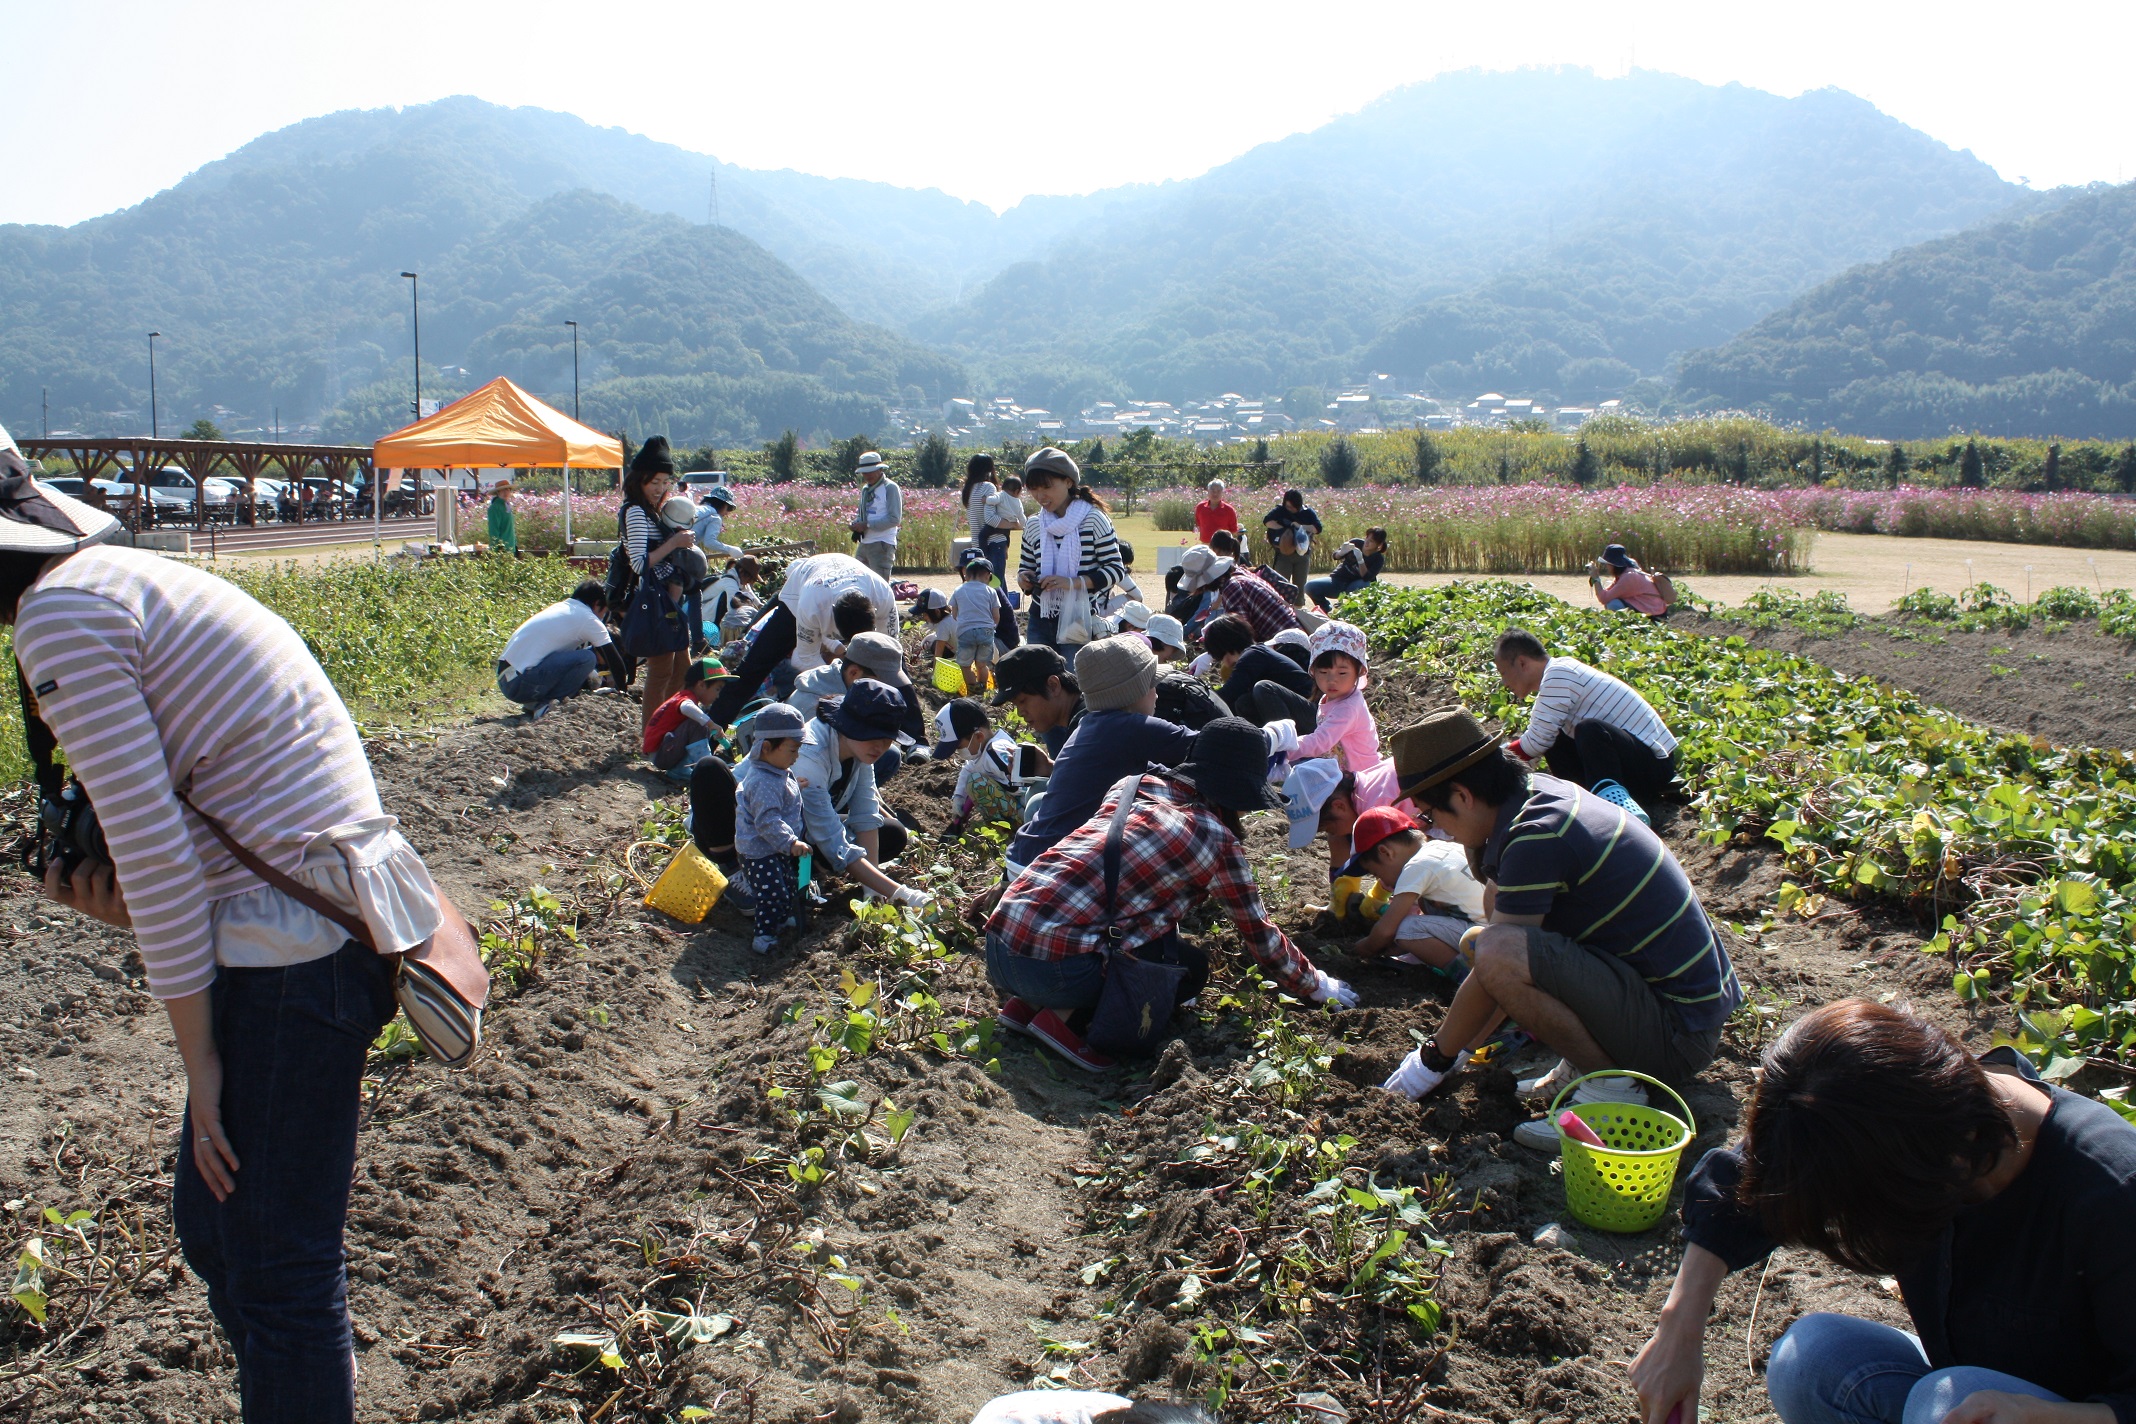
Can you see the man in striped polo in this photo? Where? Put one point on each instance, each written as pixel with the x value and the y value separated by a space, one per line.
pixel 1595 731
pixel 1597 944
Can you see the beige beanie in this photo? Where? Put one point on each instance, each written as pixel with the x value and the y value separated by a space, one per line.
pixel 1115 673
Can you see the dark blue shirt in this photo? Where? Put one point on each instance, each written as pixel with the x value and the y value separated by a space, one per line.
pixel 1265 663
pixel 1596 875
pixel 1105 747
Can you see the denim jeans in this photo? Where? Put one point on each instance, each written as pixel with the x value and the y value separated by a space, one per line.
pixel 1063 985
pixel 293 1042
pixel 1838 1369
pixel 558 675
pixel 692 754
pixel 1329 586
pixel 997 554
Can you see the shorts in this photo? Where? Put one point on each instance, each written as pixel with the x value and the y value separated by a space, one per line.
pixel 1447 929
pixel 975 647
pixel 1632 1024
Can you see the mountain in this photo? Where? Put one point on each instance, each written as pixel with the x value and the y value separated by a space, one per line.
pixel 274 283
pixel 1477 228
pixel 2025 327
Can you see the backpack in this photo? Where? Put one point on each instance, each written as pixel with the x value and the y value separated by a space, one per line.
pixel 1292 594
pixel 1666 587
pixel 1186 701
pixel 622 580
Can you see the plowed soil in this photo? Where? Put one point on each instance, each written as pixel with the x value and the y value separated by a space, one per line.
pixel 608 1149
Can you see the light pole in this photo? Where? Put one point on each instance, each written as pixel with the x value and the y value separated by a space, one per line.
pixel 574 415
pixel 153 432
pixel 574 369
pixel 415 309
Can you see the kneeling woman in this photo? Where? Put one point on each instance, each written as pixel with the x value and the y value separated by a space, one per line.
pixel 1182 843
pixel 2006 1208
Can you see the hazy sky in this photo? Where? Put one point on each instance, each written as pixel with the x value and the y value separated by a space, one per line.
pixel 109 101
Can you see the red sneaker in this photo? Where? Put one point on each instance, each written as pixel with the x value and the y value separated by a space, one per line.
pixel 1048 1028
pixel 1015 1015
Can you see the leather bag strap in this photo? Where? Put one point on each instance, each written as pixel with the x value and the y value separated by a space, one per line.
pixel 1115 832
pixel 304 895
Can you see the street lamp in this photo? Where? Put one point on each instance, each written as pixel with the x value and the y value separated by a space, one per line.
pixel 574 369
pixel 153 432
pixel 415 308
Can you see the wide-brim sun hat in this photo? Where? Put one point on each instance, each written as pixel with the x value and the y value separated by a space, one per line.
pixel 1336 636
pixel 720 494
pixel 1229 767
pixel 1306 790
pixel 870 462
pixel 1617 557
pixel 1135 615
pixel 1444 744
pixel 1201 566
pixel 37 519
pixel 1164 628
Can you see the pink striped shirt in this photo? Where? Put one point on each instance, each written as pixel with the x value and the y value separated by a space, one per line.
pixel 157 677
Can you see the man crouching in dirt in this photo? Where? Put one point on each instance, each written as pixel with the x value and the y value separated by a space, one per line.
pixel 1597 944
pixel 178 698
pixel 1178 841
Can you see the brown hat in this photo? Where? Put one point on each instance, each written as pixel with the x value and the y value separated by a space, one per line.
pixel 1442 745
pixel 1115 673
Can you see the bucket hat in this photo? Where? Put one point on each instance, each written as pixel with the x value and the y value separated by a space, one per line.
pixel 1442 745
pixel 1201 566
pixel 37 519
pixel 1229 766
pixel 1164 628
pixel 1336 636
pixel 720 494
pixel 1135 615
pixel 1115 673
pixel 869 711
pixel 880 655
pixel 1616 557
pixel 1306 790
pixel 777 719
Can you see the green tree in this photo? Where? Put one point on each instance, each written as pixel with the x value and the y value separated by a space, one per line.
pixel 1097 454
pixel 1895 465
pixel 1428 458
pixel 704 457
pixel 1817 462
pixel 847 452
pixel 784 455
pixel 203 429
pixel 1505 468
pixel 1140 446
pixel 2051 472
pixel 1971 475
pixel 931 464
pixel 1339 463
pixel 1306 403
pixel 1586 467
pixel 1260 451
pixel 2125 470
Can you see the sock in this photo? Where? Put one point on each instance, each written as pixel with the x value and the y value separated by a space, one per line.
pixel 1435 1060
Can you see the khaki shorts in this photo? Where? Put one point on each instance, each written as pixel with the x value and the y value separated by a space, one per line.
pixel 1634 1026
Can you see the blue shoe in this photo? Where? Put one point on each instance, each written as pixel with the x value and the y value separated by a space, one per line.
pixel 737 892
pixel 1616 795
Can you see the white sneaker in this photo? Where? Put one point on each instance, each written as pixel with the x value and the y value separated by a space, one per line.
pixel 1541 1134
pixel 1413 1080
pixel 1549 1084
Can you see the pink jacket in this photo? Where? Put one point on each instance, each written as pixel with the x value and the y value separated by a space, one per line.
pixel 1637 591
pixel 1344 730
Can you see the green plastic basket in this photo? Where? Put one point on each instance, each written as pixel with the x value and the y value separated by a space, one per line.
pixel 1625 1185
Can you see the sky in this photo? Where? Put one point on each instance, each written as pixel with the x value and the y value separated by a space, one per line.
pixel 111 101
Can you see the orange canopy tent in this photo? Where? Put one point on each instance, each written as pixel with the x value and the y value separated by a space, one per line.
pixel 500 425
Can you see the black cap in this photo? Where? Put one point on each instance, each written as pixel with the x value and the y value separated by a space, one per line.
pixel 1026 669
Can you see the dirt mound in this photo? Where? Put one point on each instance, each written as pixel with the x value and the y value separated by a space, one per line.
pixel 816 1186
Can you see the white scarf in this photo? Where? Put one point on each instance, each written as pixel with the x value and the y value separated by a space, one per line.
pixel 1060 551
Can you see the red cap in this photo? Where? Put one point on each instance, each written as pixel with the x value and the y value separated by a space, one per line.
pixel 1373 827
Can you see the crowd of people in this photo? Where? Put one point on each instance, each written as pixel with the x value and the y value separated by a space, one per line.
pixel 1520 875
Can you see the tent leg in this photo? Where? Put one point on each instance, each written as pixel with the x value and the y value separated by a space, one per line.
pixel 567 510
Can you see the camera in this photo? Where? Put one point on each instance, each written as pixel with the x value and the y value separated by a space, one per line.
pixel 68 833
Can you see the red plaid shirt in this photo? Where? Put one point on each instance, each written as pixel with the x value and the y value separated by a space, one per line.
pixel 1246 595
pixel 1174 853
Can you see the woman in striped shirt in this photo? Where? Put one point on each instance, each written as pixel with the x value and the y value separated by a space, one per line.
pixel 1074 555
pixel 647 541
pixel 176 697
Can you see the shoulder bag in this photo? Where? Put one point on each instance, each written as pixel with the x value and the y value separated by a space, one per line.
pixel 442 984
pixel 1141 991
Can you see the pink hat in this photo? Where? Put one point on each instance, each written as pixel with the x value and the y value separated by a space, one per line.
pixel 1336 636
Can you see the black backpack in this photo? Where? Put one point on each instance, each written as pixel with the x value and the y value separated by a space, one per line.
pixel 1185 700
pixel 622 580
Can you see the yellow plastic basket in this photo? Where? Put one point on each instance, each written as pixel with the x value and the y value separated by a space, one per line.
pixel 1625 1185
pixel 689 887
pixel 948 677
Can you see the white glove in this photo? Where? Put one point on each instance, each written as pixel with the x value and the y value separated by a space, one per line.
pixel 1413 1080
pixel 1327 989
pixel 1282 736
pixel 908 897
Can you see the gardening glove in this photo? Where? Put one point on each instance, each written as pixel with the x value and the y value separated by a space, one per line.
pixel 1282 736
pixel 1331 990
pixel 1515 748
pixel 908 897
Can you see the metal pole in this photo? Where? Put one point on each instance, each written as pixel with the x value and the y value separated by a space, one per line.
pixel 415 308
pixel 153 431
pixel 574 415
pixel 48 412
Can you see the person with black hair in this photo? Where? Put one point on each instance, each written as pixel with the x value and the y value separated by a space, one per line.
pixel 1076 555
pixel 826 599
pixel 551 655
pixel 2004 1206
pixel 1597 943
pixel 1035 680
pixel 1357 563
pixel 648 542
pixel 1593 729
pixel 1263 682
pixel 1292 526
pixel 976 498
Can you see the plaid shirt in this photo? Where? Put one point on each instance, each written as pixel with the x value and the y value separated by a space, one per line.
pixel 1246 595
pixel 1174 852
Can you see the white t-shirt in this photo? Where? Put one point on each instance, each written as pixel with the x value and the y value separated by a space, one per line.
pixel 817 582
pixel 1439 872
pixel 1005 510
pixel 560 626
pixel 1049 1406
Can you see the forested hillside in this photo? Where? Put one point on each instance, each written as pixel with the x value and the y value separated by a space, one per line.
pixel 275 286
pixel 2024 327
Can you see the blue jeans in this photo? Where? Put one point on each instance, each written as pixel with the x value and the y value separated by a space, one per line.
pixel 1063 985
pixel 558 675
pixel 692 754
pixel 1329 586
pixel 293 1042
pixel 1838 1369
pixel 997 554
